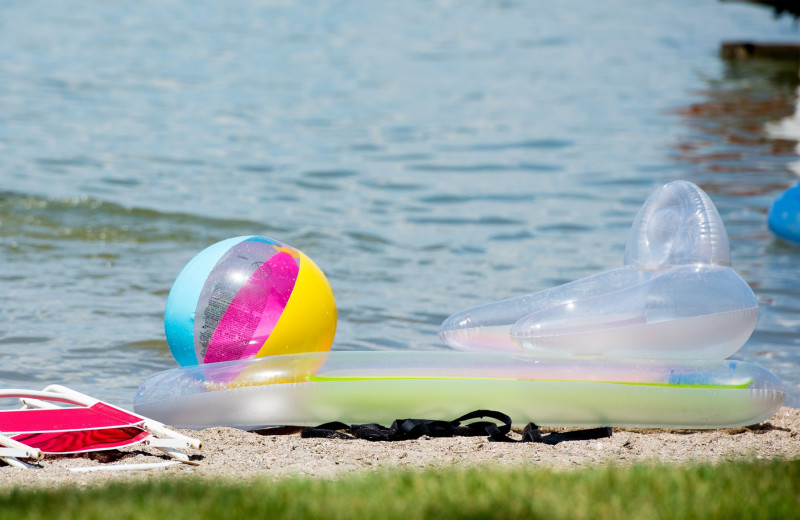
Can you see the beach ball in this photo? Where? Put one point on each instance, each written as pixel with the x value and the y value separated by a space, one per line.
pixel 248 297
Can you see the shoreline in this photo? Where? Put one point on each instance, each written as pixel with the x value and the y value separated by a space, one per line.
pixel 236 454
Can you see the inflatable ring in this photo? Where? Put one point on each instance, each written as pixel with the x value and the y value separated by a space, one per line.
pixel 379 387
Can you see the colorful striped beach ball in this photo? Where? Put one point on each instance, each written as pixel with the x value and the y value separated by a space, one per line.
pixel 248 297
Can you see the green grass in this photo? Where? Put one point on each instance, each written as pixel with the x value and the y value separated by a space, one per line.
pixel 727 490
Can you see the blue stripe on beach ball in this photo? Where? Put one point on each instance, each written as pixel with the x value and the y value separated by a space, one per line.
pixel 183 297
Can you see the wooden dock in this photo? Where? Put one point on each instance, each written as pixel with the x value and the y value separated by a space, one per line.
pixel 762 50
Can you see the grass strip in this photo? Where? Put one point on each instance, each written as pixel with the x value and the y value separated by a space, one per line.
pixel 751 489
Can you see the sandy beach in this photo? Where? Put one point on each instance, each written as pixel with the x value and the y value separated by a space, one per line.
pixel 235 454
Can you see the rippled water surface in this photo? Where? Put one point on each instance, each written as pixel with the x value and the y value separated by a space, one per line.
pixel 429 156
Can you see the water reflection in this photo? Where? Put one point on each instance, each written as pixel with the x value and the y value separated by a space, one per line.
pixel 727 148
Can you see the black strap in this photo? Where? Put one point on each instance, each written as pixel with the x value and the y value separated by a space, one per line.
pixel 408 429
pixel 577 435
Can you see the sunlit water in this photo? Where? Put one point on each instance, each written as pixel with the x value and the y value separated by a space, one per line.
pixel 429 156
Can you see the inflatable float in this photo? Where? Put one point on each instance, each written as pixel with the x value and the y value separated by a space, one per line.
pixel 639 346
pixel 379 387
pixel 676 297
pixel 784 215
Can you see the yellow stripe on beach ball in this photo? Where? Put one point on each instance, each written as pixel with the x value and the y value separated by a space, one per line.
pixel 308 323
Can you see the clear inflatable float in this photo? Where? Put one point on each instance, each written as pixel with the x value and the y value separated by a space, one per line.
pixel 379 387
pixel 676 297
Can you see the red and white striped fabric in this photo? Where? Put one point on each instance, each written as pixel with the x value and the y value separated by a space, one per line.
pixel 45 426
pixel 74 430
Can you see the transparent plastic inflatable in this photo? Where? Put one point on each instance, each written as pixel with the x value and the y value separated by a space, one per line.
pixel 367 387
pixel 676 297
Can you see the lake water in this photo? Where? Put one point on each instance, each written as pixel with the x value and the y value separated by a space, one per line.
pixel 429 156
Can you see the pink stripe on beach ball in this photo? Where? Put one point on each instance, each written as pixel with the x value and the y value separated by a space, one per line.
pixel 254 311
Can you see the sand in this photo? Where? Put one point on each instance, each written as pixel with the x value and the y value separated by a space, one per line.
pixel 235 454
